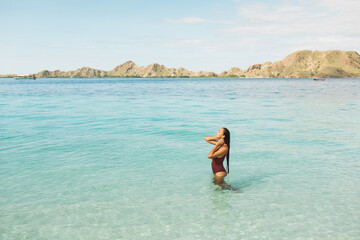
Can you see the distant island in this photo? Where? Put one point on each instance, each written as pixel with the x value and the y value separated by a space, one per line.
pixel 301 64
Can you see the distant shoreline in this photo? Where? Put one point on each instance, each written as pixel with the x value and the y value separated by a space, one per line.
pixel 180 78
pixel 300 64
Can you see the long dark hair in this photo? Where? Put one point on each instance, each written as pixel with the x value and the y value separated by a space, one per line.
pixel 227 141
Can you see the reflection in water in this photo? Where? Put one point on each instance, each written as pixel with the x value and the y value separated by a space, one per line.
pixel 219 199
pixel 221 196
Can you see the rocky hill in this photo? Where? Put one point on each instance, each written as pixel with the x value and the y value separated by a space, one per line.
pixel 301 64
pixel 307 64
pixel 128 69
pixel 81 72
pixel 8 76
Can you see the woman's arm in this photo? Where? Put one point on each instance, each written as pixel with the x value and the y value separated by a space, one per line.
pixel 221 152
pixel 212 140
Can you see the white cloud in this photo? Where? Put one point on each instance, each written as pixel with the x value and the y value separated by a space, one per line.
pixel 322 18
pixel 344 6
pixel 191 42
pixel 194 20
pixel 213 45
pixel 72 46
pixel 258 13
pixel 269 32
pixel 327 43
pixel 198 44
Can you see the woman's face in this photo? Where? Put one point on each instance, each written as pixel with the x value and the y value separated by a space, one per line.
pixel 220 133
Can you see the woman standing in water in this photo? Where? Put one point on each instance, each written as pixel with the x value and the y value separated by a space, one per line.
pixel 218 154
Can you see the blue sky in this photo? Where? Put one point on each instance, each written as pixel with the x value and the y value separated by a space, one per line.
pixel 204 35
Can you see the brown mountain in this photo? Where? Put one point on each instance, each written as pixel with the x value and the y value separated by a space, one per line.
pixel 307 64
pixel 128 69
pixel 301 64
pixel 81 72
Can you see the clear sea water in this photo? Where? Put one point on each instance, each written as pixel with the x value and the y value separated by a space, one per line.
pixel 126 159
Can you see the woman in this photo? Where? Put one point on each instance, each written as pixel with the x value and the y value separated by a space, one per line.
pixel 218 154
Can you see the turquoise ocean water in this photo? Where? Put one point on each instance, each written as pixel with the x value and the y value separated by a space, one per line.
pixel 126 159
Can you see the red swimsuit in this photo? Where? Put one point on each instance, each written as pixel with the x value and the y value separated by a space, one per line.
pixel 217 163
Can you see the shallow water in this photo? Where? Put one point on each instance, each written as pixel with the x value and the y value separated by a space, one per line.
pixel 126 159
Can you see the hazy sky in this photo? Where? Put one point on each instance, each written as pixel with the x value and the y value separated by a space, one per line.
pixel 209 35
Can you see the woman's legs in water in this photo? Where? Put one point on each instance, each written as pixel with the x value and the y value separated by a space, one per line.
pixel 219 178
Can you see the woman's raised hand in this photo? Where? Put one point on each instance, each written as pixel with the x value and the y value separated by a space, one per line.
pixel 212 140
pixel 221 141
